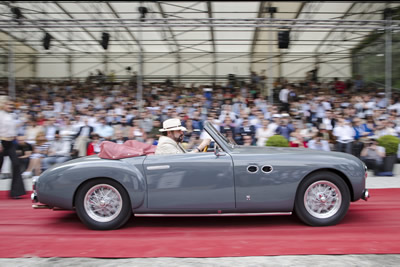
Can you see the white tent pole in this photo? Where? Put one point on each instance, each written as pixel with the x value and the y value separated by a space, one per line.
pixel 139 93
pixel 269 81
pixel 388 61
pixel 11 69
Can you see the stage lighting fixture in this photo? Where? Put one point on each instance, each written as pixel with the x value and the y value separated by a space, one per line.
pixel 271 9
pixel 283 39
pixel 17 12
pixel 143 11
pixel 105 38
pixel 387 13
pixel 46 41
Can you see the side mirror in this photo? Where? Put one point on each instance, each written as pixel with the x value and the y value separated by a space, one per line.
pixel 218 152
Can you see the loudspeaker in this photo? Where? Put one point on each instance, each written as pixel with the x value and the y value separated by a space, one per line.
pixel 105 38
pixel 387 13
pixel 143 11
pixel 272 10
pixel 17 12
pixel 46 41
pixel 283 39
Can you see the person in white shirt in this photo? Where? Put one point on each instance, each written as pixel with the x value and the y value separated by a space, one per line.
pixel 50 128
pixel 345 136
pixel 284 98
pixel 318 143
pixel 104 130
pixel 276 121
pixel 372 155
pixel 263 133
pixel 82 138
pixel 8 147
pixel 328 120
pixel 59 151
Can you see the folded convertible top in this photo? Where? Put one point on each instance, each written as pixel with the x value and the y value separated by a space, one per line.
pixel 131 148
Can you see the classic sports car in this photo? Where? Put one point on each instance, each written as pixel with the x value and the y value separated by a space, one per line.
pixel 231 180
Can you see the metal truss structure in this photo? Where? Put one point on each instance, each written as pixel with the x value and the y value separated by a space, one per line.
pixel 188 41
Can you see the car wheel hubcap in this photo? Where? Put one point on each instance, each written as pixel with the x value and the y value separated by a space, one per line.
pixel 103 203
pixel 322 199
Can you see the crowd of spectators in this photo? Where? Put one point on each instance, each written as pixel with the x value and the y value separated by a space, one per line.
pixel 58 121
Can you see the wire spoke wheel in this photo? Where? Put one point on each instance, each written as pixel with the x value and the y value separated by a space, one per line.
pixel 322 199
pixel 103 203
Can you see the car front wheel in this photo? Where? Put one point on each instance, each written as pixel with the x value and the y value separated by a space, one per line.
pixel 322 199
pixel 103 204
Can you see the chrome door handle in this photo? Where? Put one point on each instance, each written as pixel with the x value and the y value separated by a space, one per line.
pixel 160 167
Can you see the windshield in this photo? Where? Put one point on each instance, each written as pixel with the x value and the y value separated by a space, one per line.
pixel 229 141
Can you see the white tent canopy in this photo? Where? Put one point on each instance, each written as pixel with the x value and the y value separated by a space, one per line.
pixel 182 39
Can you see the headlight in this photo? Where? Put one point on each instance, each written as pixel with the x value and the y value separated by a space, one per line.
pixel 366 171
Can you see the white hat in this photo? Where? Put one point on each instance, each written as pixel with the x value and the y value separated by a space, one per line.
pixel 172 125
pixel 276 116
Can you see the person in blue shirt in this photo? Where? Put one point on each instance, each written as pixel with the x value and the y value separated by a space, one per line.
pixel 362 132
pixel 285 128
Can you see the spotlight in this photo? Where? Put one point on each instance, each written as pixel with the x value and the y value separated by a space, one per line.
pixel 271 9
pixel 283 39
pixel 105 38
pixel 17 14
pixel 46 41
pixel 143 11
pixel 387 13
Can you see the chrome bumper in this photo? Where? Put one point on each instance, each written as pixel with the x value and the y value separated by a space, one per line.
pixel 365 195
pixel 34 197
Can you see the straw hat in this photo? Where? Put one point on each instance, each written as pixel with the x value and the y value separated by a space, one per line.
pixel 172 125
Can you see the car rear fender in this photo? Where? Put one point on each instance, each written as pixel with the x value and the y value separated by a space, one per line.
pixel 129 176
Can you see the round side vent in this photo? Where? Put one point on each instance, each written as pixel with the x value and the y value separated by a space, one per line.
pixel 266 169
pixel 252 169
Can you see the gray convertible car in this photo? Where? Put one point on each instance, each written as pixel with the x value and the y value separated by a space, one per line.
pixel 229 181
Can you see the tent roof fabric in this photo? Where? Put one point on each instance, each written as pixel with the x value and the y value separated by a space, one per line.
pixel 96 17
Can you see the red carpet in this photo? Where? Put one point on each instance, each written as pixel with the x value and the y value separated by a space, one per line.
pixel 371 227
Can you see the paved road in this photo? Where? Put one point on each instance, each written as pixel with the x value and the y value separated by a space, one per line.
pixel 307 260
pixel 273 261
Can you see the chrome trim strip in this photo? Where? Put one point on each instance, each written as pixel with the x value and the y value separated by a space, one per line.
pixel 250 167
pixel 267 166
pixel 213 214
pixel 161 167
pixel 41 206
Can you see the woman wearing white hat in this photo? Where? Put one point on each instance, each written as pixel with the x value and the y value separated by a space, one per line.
pixel 173 135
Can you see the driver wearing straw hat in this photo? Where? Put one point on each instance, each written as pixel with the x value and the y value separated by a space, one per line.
pixel 169 143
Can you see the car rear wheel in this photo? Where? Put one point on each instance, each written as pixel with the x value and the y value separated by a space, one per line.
pixel 322 199
pixel 103 204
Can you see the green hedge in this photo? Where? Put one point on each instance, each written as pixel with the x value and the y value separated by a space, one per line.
pixel 277 140
pixel 390 143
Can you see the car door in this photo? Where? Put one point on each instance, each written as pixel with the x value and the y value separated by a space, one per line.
pixel 192 181
pixel 266 182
